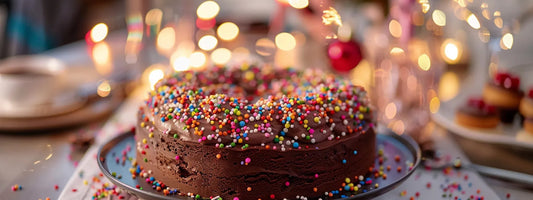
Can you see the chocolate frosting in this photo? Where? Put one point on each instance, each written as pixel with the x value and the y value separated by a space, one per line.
pixel 292 108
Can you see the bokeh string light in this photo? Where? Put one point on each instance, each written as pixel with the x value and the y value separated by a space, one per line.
pixel 208 10
pixel 99 32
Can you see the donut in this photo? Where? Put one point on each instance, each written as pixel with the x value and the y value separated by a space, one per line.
pixel 254 132
pixel 477 114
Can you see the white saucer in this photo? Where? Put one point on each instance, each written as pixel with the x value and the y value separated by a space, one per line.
pixel 64 103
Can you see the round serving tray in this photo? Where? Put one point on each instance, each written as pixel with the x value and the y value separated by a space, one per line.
pixel 115 160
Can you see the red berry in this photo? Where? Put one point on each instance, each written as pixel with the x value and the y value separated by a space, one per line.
pixel 476 102
pixel 507 80
pixel 515 82
pixel 500 77
pixel 530 93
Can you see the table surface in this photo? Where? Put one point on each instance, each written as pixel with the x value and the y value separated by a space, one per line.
pixel 39 161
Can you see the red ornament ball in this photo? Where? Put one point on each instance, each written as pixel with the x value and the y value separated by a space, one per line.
pixel 344 55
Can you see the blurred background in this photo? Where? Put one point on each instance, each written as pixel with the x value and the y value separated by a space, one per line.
pixel 33 26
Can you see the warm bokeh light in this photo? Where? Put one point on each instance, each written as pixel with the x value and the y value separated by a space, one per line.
pixel 439 18
pixel 434 105
pixel 227 31
pixel 473 21
pixel 208 10
pixel 221 56
pixel 285 41
pixel 331 16
pixel 461 3
pixel 101 55
pixel 424 4
pixel 396 51
pixel 181 63
pixel 265 47
pixel 166 39
pixel 344 32
pixel 198 59
pixel 485 11
pixel 507 41
pixel 103 89
pixel 390 110
pixel 486 14
pixel 395 28
pixel 448 86
pixel 153 17
pixel 299 4
pixel 154 76
pixel 424 62
pixel 207 42
pixel 484 35
pixel 99 32
pixel 451 51
pixel 498 21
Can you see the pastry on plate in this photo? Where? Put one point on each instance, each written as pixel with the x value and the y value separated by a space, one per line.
pixel 503 92
pixel 477 114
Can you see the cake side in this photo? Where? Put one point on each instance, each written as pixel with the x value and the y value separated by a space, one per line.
pixel 256 172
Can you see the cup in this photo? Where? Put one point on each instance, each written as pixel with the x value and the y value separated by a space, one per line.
pixel 27 81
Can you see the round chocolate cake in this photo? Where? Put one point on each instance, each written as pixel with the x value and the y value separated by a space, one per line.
pixel 255 133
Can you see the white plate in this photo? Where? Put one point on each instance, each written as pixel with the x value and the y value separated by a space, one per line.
pixel 511 135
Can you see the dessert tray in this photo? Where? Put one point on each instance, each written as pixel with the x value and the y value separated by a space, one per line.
pixel 115 159
pixel 511 135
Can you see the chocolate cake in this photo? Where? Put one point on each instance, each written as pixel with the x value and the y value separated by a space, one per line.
pixel 246 133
